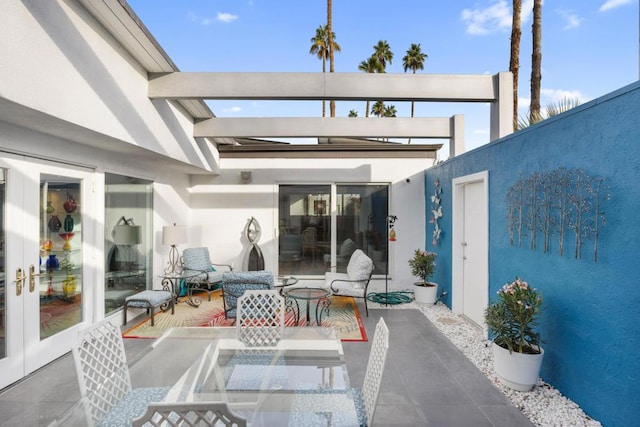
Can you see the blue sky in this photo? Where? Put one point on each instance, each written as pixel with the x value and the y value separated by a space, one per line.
pixel 589 47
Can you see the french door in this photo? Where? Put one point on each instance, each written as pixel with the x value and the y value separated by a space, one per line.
pixel 45 264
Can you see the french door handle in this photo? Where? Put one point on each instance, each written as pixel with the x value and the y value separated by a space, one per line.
pixel 20 277
pixel 32 278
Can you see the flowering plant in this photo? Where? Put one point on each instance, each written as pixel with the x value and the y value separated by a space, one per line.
pixel 512 317
pixel 423 264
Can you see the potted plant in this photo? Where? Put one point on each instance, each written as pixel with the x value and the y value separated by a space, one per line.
pixel 422 266
pixel 517 355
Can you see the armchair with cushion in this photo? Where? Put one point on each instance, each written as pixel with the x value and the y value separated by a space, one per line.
pixel 355 281
pixel 235 283
pixel 208 276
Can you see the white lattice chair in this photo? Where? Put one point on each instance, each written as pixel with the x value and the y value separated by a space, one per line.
pixel 355 281
pixel 189 414
pixel 103 376
pixel 260 317
pixel 367 398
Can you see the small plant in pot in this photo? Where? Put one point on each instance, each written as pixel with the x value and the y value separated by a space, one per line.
pixel 423 265
pixel 511 320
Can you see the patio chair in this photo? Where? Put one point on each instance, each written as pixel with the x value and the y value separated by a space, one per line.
pixel 260 319
pixel 197 260
pixel 235 283
pixel 103 376
pixel 189 414
pixel 355 281
pixel 367 398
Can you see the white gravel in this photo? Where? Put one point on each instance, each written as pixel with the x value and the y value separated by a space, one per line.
pixel 543 405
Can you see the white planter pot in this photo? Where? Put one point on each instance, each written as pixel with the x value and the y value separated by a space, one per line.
pixel 518 371
pixel 425 294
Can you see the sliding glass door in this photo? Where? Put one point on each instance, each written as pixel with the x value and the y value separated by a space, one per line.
pixel 305 229
pixel 361 212
pixel 307 243
pixel 128 238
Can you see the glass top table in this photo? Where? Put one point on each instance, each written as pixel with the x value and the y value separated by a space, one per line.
pixel 172 282
pixel 302 380
pixel 308 294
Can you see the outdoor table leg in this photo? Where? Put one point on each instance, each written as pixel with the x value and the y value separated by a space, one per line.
pixel 326 302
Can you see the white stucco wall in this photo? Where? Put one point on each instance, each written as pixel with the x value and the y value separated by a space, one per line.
pixel 55 58
pixel 222 205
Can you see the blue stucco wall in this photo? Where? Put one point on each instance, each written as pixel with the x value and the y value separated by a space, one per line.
pixel 591 309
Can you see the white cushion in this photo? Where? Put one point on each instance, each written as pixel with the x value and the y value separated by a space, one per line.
pixel 330 277
pixel 360 266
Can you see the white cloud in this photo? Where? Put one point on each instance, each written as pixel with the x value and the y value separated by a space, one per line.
pixel 527 11
pixel 612 4
pixel 484 21
pixel 232 110
pixel 572 20
pixel 496 17
pixel 202 20
pixel 226 17
pixel 549 96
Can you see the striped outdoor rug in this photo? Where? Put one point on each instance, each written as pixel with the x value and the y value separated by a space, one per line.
pixel 343 316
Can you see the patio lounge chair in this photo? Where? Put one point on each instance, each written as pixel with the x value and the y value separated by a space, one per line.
pixel 355 281
pixel 235 283
pixel 208 275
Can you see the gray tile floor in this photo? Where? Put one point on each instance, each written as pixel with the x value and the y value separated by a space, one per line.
pixel 427 381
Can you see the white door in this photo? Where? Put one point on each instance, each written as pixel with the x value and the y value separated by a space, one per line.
pixel 474 271
pixel 45 240
pixel 470 247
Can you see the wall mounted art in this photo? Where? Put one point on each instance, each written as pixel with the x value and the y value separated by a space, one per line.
pixel 557 207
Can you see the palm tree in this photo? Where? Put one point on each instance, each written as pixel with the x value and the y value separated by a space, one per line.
pixel 536 61
pixel 332 47
pixel 553 109
pixel 353 113
pixel 378 109
pixel 414 60
pixel 514 60
pixel 320 48
pixel 382 53
pixel 390 111
pixel 369 66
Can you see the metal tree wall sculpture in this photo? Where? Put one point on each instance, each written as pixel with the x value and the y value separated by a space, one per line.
pixel 551 206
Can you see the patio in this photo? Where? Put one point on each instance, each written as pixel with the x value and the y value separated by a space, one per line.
pixel 448 389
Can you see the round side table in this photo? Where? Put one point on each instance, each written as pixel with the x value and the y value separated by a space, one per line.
pixel 307 295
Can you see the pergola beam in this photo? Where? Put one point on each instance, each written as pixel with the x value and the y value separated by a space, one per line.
pixel 496 89
pixel 329 127
pixel 318 86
